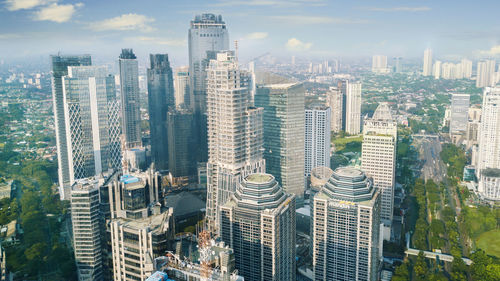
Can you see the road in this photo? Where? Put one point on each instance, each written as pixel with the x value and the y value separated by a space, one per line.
pixel 429 149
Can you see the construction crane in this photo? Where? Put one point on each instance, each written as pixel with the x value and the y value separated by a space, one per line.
pixel 205 251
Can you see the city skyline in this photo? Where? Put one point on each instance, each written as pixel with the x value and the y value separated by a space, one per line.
pixel 278 27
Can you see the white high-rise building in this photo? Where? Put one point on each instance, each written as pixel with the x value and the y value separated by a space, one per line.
pixel 489 184
pixel 346 228
pixel 92 118
pixel 489 133
pixel 261 229
pixel 335 102
pixel 436 71
pixel 378 156
pixel 353 108
pixel 317 138
pixel 235 133
pixel 485 72
pixel 59 69
pixel 427 68
pixel 207 32
pixel 379 64
pixel 85 218
pixel 466 68
pixel 130 98
pixel 136 243
pixel 459 113
pixel 181 88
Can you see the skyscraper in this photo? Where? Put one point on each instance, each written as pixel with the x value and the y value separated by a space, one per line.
pixel 466 68
pixel 317 138
pixel 346 225
pixel 92 122
pixel 235 136
pixel 137 242
pixel 160 100
pixel 379 64
pixel 85 218
pixel 489 133
pixel 182 90
pixel 181 157
pixel 207 32
pixel 353 108
pixel 436 71
pixel 283 133
pixel 261 229
pixel 378 154
pixel 427 68
pixel 485 71
pixel 130 98
pixel 459 113
pixel 59 69
pixel 336 103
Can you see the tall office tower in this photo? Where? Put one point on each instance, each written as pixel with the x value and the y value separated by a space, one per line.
pixel 283 133
pixel 317 138
pixel 130 98
pixel 235 136
pixel 378 155
pixel 85 218
pixel 485 71
pixel 207 32
pixel 182 91
pixel 466 68
pixel 447 70
pixel 130 195
pixel 335 102
pixel 261 229
pixel 59 69
pixel 160 99
pixel 346 220
pixel 489 133
pixel 427 68
pixel 137 242
pixel 92 116
pixel 436 71
pixel 379 64
pixel 353 108
pixel 459 113
pixel 181 157
pixel 398 65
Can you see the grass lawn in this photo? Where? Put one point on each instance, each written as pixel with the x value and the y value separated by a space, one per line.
pixel 347 144
pixel 490 242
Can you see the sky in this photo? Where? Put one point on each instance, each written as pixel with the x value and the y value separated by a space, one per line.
pixel 320 29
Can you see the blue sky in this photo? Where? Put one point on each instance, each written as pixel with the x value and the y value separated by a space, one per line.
pixel 305 28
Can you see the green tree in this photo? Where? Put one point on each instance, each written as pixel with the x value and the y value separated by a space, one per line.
pixel 420 268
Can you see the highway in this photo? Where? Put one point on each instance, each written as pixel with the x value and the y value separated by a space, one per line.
pixel 429 149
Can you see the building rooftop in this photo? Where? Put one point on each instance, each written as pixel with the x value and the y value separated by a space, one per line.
pixel 153 222
pixel 259 178
pixel 279 86
pixel 491 173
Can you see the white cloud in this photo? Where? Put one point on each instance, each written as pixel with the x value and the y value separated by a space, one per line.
pixel 159 41
pixel 57 13
pixel 124 22
pixel 400 9
pixel 7 36
pixel 256 35
pixel 14 5
pixel 294 44
pixel 298 20
pixel 493 51
pixel 279 3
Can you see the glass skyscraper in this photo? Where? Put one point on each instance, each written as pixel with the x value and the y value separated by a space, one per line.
pixel 92 118
pixel 130 98
pixel 160 100
pixel 284 125
pixel 207 32
pixel 59 69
